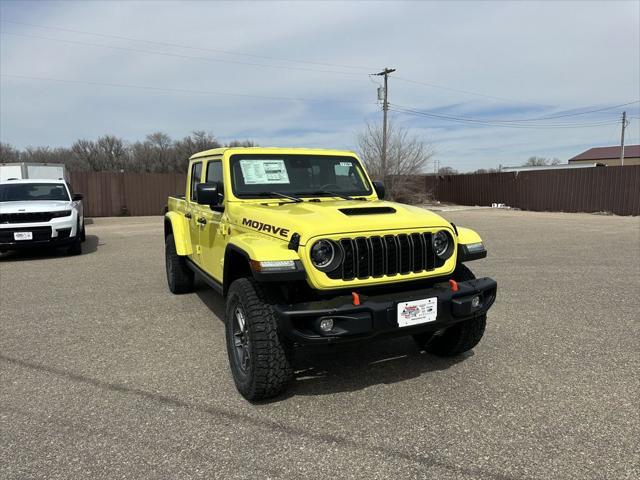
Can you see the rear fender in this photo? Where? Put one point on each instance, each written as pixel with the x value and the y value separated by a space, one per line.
pixel 175 223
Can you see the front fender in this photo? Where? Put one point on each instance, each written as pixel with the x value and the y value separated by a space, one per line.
pixel 180 228
pixel 262 248
pixel 467 236
pixel 470 245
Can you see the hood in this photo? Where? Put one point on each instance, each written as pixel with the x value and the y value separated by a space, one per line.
pixel 33 206
pixel 311 219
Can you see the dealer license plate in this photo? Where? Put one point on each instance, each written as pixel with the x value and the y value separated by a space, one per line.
pixel 23 236
pixel 417 312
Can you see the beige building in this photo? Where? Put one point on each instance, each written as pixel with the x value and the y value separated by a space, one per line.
pixel 609 156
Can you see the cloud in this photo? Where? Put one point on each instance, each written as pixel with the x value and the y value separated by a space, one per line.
pixel 539 58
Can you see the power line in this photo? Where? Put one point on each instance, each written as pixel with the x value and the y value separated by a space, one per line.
pixel 515 121
pixel 494 124
pixel 473 120
pixel 573 114
pixel 178 55
pixel 182 90
pixel 456 90
pixel 487 124
pixel 227 52
pixel 314 70
pixel 188 47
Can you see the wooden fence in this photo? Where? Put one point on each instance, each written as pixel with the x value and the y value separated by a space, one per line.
pixel 598 189
pixel 109 194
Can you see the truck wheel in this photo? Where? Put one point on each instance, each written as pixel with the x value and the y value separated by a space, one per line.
pixel 179 276
pixel 259 358
pixel 458 338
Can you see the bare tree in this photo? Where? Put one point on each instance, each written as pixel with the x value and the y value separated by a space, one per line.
pixel 242 143
pixel 447 171
pixel 155 154
pixel 541 161
pixel 198 141
pixel 8 153
pixel 53 155
pixel 84 152
pixel 158 152
pixel 113 153
pixel 486 170
pixel 407 156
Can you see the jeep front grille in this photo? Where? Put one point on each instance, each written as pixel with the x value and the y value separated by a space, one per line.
pixel 364 257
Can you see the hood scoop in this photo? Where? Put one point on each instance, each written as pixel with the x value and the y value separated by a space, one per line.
pixel 367 210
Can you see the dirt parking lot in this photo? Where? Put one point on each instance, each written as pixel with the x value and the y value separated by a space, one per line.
pixel 105 374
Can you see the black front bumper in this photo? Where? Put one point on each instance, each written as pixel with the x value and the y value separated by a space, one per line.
pixel 377 314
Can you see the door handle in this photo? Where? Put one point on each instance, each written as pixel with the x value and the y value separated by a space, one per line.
pixel 187 215
pixel 202 221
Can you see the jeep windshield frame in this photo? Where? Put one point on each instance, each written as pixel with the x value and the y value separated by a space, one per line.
pixel 297 175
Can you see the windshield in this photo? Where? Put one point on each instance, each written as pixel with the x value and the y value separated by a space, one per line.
pixel 18 192
pixel 255 176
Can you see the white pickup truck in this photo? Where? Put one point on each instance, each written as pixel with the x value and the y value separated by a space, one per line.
pixel 40 213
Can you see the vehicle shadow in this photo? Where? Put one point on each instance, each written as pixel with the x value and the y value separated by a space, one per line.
pixel 331 369
pixel 90 245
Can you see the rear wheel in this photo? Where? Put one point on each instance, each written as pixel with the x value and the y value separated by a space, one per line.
pixel 458 338
pixel 179 276
pixel 259 357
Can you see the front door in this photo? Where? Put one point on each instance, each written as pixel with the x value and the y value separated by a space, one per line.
pixel 211 240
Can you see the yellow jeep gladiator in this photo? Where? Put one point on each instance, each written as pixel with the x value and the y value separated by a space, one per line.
pixel 306 251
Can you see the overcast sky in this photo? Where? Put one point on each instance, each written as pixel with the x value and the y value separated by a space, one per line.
pixel 482 62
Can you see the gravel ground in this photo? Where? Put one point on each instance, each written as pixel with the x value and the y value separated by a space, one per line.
pixel 105 374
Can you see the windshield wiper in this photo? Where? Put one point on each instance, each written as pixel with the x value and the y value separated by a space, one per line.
pixel 281 195
pixel 327 192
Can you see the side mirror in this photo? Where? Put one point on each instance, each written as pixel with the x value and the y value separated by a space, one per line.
pixel 209 193
pixel 379 188
pixel 77 196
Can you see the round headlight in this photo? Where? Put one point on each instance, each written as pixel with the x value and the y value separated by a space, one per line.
pixel 325 255
pixel 442 244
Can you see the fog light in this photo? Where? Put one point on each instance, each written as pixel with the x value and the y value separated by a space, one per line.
pixel 475 301
pixel 326 324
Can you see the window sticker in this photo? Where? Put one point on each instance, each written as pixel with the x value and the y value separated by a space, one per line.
pixel 346 164
pixel 264 171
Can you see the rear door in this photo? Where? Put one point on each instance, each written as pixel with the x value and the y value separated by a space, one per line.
pixel 191 213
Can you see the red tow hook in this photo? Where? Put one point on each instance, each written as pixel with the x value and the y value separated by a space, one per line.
pixel 454 285
pixel 356 298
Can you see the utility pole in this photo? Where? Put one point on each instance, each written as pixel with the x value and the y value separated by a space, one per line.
pixel 385 107
pixel 624 125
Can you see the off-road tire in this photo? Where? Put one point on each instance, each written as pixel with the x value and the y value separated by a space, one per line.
pixel 179 276
pixel 269 371
pixel 458 338
pixel 83 234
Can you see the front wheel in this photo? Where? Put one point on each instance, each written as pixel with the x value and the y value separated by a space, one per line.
pixel 259 357
pixel 76 246
pixel 458 338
